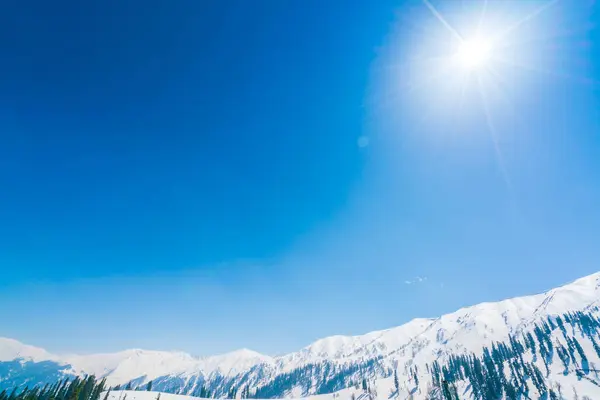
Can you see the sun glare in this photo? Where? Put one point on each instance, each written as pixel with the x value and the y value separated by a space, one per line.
pixel 475 53
pixel 465 61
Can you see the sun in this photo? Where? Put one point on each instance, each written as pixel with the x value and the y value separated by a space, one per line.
pixel 474 54
pixel 465 70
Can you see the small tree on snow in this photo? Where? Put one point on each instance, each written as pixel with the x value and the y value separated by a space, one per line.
pixel 372 391
pixel 575 395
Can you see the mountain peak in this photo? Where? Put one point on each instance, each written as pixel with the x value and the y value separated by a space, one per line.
pixel 235 361
pixel 246 353
pixel 11 349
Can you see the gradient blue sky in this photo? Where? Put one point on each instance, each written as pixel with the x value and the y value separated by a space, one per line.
pixel 188 175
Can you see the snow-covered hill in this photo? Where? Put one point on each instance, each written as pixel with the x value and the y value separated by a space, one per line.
pixel 11 349
pixel 326 366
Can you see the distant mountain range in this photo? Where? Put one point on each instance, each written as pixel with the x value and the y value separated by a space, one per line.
pixel 413 352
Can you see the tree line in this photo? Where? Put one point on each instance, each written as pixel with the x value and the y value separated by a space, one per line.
pixel 501 371
pixel 87 388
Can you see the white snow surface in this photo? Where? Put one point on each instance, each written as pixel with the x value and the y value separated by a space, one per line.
pixel 417 342
pixel 11 349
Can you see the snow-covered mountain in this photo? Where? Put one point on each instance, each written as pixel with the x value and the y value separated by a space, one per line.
pixel 327 365
pixel 11 349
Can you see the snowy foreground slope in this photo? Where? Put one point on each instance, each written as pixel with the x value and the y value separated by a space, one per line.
pixel 340 364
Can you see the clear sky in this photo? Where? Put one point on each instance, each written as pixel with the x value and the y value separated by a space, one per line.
pixel 211 175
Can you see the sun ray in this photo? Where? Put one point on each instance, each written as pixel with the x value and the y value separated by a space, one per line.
pixel 440 73
pixel 411 86
pixel 583 29
pixel 440 18
pixel 525 19
pixel 481 17
pixel 390 100
pixel 463 91
pixel 546 71
pixel 500 83
pixel 493 135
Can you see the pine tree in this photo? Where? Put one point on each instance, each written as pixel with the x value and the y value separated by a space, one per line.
pixel 446 390
pixel 87 387
pixel 232 393
pixel 396 383
pixel 539 379
pixel 63 389
pixel 579 350
pixel 98 389
pixel 73 390
pixel 595 345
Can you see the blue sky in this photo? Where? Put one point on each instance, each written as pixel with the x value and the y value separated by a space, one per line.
pixel 206 176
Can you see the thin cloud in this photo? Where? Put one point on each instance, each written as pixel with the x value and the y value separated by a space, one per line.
pixel 418 279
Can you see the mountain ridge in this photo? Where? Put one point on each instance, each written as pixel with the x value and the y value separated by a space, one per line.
pixel 69 356
pixel 416 342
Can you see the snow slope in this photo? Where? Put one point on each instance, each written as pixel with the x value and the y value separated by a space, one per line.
pixel 417 342
pixel 11 349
